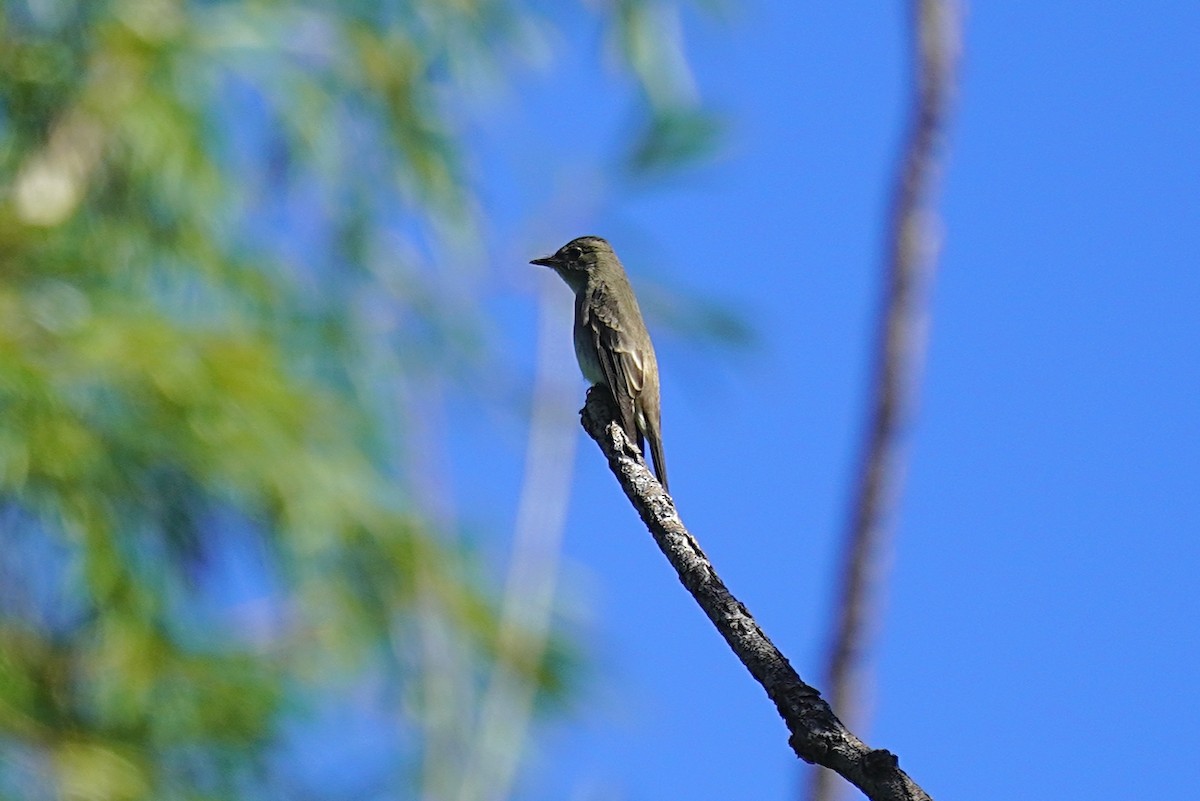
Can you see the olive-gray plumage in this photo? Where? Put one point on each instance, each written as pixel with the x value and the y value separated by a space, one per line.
pixel 611 341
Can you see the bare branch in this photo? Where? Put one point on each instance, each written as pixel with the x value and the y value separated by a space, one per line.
pixel 816 735
pixel 900 348
pixel 507 705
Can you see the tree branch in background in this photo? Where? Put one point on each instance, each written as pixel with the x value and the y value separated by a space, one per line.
pixel 900 348
pixel 508 703
pixel 816 734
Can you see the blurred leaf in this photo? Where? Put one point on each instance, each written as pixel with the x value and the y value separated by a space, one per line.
pixel 697 319
pixel 673 140
pixel 91 771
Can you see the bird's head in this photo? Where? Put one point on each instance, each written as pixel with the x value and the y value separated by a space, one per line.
pixel 578 258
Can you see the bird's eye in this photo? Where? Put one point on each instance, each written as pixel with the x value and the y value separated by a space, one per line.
pixel 574 254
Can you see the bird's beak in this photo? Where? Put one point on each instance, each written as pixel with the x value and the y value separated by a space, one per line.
pixel 545 261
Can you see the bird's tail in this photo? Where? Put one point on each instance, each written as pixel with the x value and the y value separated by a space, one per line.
pixel 660 465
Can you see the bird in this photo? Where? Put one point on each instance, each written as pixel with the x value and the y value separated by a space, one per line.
pixel 612 344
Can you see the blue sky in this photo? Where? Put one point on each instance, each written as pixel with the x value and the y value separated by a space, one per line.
pixel 1042 622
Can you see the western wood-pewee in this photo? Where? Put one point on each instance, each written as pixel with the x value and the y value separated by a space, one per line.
pixel 611 341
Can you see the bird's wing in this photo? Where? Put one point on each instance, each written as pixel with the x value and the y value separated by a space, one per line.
pixel 623 363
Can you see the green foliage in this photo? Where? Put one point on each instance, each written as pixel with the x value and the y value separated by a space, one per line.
pixel 194 200
pixel 672 138
pixel 677 131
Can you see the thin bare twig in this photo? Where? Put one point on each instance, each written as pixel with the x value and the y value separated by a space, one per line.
pixel 816 734
pixel 900 348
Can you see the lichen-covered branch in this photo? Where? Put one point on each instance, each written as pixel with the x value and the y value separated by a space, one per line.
pixel 817 736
